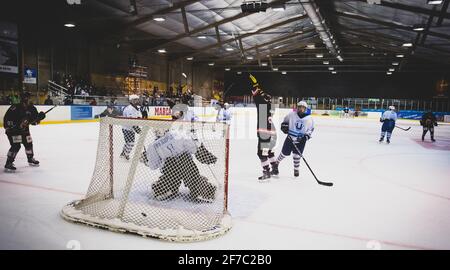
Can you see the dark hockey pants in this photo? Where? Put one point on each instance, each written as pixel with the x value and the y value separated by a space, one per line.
pixel 15 141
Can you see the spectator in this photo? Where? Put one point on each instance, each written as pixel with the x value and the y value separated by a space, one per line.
pixel 109 111
pixel 93 102
pixel 48 101
pixel 68 100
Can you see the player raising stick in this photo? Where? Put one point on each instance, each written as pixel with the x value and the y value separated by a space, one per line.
pixel 267 135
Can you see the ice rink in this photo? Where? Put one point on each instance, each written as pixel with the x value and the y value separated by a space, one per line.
pixel 393 196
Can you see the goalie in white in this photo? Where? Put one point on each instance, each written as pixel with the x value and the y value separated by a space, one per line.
pixel 172 153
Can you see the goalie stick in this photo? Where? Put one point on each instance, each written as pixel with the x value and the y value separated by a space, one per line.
pixel 328 184
pixel 405 129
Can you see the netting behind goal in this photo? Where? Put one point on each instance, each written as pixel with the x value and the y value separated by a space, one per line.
pixel 163 179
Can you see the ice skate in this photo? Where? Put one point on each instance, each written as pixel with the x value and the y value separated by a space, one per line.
pixel 33 162
pixel 274 171
pixel 296 173
pixel 9 167
pixel 265 177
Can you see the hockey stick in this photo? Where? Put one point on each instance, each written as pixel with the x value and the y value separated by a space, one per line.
pixel 405 129
pixel 50 109
pixel 328 184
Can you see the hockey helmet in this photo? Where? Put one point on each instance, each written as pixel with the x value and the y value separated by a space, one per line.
pixel 302 104
pixel 133 97
pixel 392 108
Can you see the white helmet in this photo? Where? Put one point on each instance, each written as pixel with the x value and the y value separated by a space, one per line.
pixel 226 105
pixel 391 108
pixel 302 104
pixel 133 97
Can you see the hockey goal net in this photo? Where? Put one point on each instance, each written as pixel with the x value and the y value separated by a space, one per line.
pixel 156 178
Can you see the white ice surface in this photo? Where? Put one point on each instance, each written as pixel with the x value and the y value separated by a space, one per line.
pixel 393 196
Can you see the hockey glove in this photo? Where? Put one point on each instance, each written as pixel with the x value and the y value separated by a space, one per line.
pixel 285 127
pixel 435 124
pixel 41 116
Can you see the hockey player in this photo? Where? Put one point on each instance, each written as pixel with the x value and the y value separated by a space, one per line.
pixel 131 111
pixel 16 121
pixel 267 135
pixel 224 114
pixel 428 122
pixel 388 119
pixel 299 126
pixel 346 111
pixel 173 153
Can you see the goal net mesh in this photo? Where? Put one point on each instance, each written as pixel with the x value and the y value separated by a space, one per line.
pixel 162 179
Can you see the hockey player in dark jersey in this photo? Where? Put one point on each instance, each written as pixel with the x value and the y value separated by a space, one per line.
pixel 16 121
pixel 267 135
pixel 428 122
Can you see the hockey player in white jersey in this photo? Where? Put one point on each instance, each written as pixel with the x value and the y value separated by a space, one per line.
pixel 388 119
pixel 130 111
pixel 299 126
pixel 173 153
pixel 224 114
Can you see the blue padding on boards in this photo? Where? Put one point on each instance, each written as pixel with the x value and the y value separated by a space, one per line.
pixel 80 112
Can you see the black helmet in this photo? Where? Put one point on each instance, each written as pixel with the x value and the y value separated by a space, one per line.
pixel 24 96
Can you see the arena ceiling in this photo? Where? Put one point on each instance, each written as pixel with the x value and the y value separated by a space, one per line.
pixel 368 35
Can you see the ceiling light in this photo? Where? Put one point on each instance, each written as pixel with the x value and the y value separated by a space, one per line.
pixel 254 6
pixel 201 37
pixel 227 69
pixel 340 58
pixel 211 64
pixel 331 68
pixel 326 62
pixel 319 55
pixel 190 58
pixel 229 49
pixel 249 57
pixel 162 51
pixel 275 69
pixel 400 55
pixel 418 27
pixel 283 72
pixel 278 7
pixel 434 2
pixel 395 63
pixel 277 47
pixel 70 25
pixel 264 64
pixel 333 72
pixel 311 46
pixel 159 19
pixel 389 73
pixel 408 44
pixel 239 72
pixel 184 75
pixel 392 69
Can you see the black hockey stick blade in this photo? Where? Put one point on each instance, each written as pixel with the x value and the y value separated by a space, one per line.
pixel 328 184
pixel 405 129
